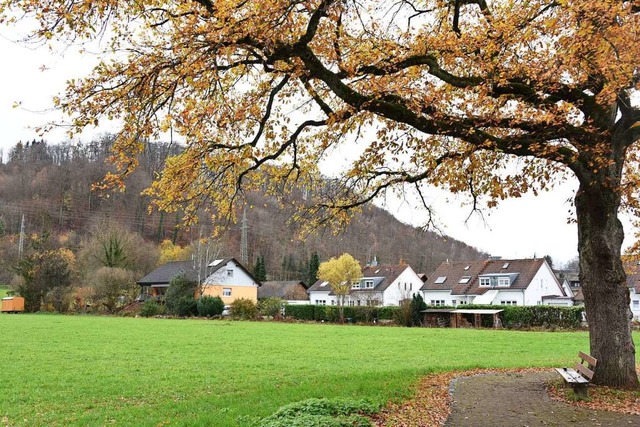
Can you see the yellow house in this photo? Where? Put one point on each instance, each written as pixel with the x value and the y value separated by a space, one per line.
pixel 230 281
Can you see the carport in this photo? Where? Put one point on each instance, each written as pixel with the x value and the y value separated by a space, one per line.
pixel 460 318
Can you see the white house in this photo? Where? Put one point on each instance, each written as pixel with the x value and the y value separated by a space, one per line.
pixel 495 282
pixel 383 285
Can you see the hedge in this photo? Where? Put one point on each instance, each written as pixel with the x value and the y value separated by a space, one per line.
pixel 331 313
pixel 531 316
pixel 513 317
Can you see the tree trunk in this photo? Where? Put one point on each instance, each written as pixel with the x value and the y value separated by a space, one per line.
pixel 604 286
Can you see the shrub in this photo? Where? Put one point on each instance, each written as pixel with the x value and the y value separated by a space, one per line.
pixel 328 313
pixel 150 308
pixel 113 286
pixel 244 309
pixel 186 306
pixel 321 413
pixel 518 317
pixel 404 315
pixel 179 298
pixel 300 312
pixel 271 307
pixel 210 306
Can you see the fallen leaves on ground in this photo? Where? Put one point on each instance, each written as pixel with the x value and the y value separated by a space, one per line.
pixel 600 398
pixel 430 405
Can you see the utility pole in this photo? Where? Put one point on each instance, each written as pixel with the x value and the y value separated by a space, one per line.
pixel 244 253
pixel 21 242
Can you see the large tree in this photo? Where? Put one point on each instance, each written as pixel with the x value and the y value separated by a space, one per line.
pixel 494 98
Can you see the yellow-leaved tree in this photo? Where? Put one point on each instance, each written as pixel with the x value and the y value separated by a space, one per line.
pixel 340 273
pixel 490 98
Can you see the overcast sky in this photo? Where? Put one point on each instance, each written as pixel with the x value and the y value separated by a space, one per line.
pixel 526 227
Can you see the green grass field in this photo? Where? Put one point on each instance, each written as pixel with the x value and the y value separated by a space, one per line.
pixel 82 370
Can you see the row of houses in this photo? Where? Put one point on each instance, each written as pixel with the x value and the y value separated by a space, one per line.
pixel 487 282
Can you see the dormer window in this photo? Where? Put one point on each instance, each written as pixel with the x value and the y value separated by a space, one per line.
pixel 464 279
pixel 485 281
pixel 440 280
pixel 355 285
pixel 504 281
pixel 368 284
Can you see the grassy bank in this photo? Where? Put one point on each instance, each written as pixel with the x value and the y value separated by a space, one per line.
pixel 61 370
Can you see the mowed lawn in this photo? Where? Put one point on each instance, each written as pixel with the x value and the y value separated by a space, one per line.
pixel 85 370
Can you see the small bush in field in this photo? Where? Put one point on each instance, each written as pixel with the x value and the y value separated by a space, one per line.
pixel 179 298
pixel 244 309
pixel 321 413
pixel 210 306
pixel 185 306
pixel 271 307
pixel 151 308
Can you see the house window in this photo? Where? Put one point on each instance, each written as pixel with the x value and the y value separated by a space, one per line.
pixel 454 302
pixel 358 302
pixel 505 265
pixel 464 279
pixel 503 281
pixel 352 303
pixel 508 303
pixel 321 302
pixel 463 302
pixel 437 302
pixel 636 303
pixel 333 302
pixel 440 280
pixel 485 281
pixel 355 285
pixel 226 292
pixel 368 284
pixel 229 273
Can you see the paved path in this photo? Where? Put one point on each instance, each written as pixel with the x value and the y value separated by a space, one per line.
pixel 518 400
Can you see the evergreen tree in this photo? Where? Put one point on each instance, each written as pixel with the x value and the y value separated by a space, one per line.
pixel 314 264
pixel 259 269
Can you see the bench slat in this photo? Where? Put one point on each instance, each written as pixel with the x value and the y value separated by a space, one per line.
pixel 586 372
pixel 592 361
pixel 571 376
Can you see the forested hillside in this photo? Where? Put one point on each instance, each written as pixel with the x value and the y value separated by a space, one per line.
pixel 51 186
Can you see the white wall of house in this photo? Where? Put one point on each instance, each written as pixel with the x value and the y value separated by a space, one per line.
pixel 230 274
pixel 544 283
pixel 634 305
pixel 320 297
pixel 405 286
pixel 558 302
pixel 437 297
pixel 503 297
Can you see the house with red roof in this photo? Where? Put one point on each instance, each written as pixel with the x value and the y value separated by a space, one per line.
pixel 495 282
pixel 383 285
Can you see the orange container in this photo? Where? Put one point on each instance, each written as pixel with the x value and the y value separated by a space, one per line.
pixel 12 304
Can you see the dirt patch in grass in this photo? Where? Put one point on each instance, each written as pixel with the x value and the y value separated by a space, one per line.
pixel 432 402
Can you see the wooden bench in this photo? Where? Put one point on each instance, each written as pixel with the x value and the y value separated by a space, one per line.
pixel 581 376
